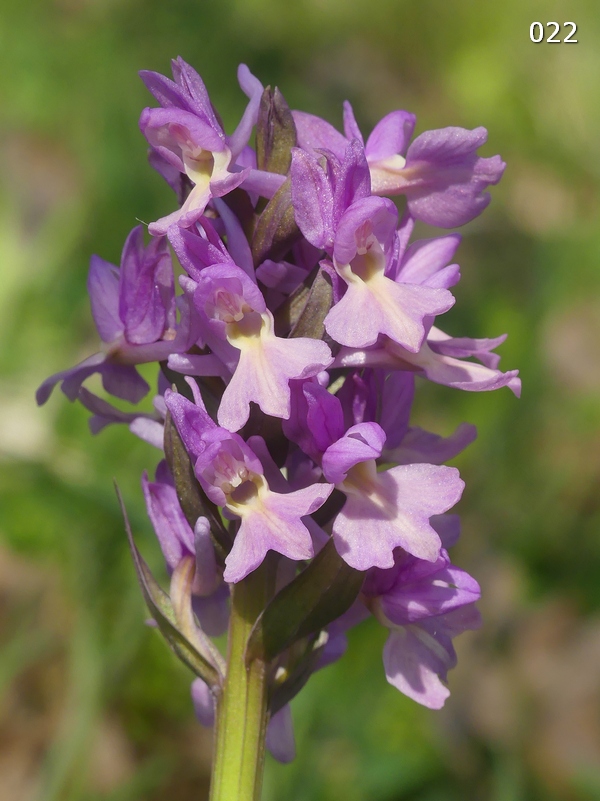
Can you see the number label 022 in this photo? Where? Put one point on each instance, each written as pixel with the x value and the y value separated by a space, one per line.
pixel 536 33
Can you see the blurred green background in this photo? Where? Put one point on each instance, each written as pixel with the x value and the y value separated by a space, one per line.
pixel 93 706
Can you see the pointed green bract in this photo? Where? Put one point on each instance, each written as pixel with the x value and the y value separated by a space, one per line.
pixel 276 229
pixel 318 303
pixel 303 312
pixel 275 133
pixel 160 607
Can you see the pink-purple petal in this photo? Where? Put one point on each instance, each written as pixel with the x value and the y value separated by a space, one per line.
pixel 194 91
pixel 419 446
pixel 146 288
pixel 312 198
pixel 396 310
pixel 253 90
pixel 103 289
pixel 426 257
pixel 372 216
pixel 416 668
pixel 280 736
pixel 351 129
pixel 172 530
pixel 71 379
pixel 361 443
pixel 263 374
pixel 316 134
pixel 445 178
pixel 395 513
pixel 274 525
pixel 390 136
pixel 204 703
pixel 121 380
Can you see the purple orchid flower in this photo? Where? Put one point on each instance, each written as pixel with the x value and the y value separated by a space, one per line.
pixel 134 310
pixel 334 211
pixel 387 509
pixel 424 605
pixel 233 478
pixel 237 325
pixel 320 418
pixel 235 311
pixel 375 304
pixel 186 137
pixel 440 173
pixel 441 360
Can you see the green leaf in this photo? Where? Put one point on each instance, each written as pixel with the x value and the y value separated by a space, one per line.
pixel 316 597
pixel 276 229
pixel 160 607
pixel 287 315
pixel 275 133
pixel 192 498
pixel 304 302
pixel 316 307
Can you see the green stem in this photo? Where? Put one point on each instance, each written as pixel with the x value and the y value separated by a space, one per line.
pixel 242 712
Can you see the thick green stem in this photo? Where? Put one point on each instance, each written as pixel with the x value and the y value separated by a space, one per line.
pixel 242 712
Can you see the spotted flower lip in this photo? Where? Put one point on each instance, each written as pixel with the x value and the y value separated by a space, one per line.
pixel 374 304
pixel 271 521
pixel 233 477
pixel 235 309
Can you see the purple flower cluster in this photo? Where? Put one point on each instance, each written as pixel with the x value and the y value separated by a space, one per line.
pixel 288 364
